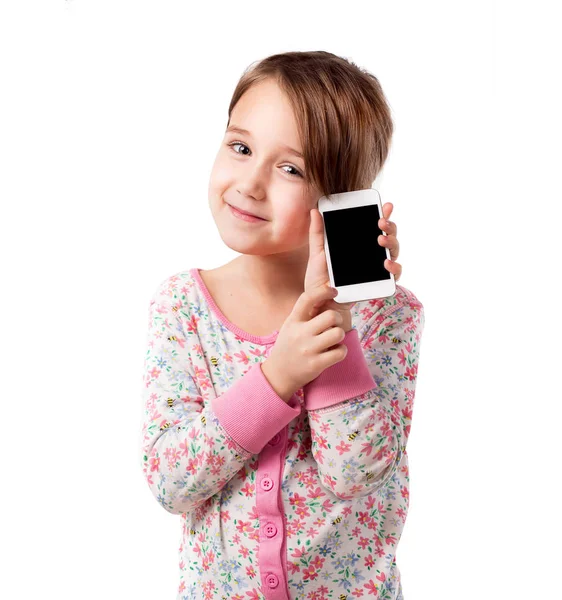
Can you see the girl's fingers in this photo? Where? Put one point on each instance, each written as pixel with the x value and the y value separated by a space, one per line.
pixel 387 209
pixel 389 227
pixel 394 268
pixel 324 305
pixel 392 243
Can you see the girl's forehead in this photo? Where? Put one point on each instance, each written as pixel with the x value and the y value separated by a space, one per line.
pixel 266 115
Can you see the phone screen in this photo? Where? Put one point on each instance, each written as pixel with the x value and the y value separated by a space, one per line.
pixel 355 253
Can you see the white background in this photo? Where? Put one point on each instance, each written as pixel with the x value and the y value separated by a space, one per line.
pixel 111 114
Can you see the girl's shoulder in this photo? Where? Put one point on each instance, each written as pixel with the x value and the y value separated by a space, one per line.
pixel 370 312
pixel 405 296
pixel 176 289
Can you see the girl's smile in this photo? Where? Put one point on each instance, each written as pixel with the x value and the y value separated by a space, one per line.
pixel 245 217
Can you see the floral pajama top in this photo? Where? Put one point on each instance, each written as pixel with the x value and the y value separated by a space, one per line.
pixel 300 500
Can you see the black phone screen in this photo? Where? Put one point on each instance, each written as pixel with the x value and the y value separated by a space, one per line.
pixel 355 253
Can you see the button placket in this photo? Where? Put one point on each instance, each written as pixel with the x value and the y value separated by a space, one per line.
pixel 271 533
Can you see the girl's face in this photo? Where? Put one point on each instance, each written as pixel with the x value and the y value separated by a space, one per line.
pixel 257 172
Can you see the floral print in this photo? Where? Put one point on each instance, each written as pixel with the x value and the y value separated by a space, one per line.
pixel 302 500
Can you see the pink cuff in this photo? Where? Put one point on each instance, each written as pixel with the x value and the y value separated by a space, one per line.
pixel 251 411
pixel 346 379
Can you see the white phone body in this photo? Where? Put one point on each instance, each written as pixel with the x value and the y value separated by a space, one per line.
pixel 354 256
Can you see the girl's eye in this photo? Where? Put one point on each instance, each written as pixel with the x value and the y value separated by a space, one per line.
pixel 295 174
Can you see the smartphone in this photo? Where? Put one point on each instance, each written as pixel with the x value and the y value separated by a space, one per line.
pixel 354 256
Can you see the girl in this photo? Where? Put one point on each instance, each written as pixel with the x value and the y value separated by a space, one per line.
pixel 276 419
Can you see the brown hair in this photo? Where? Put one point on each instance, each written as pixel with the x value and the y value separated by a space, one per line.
pixel 342 115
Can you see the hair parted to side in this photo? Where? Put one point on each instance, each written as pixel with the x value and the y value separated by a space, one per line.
pixel 342 116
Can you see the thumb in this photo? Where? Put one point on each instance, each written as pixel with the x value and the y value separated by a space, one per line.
pixel 315 233
pixel 317 268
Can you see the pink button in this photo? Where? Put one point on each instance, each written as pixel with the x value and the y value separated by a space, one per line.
pixel 272 580
pixel 274 440
pixel 270 530
pixel 266 484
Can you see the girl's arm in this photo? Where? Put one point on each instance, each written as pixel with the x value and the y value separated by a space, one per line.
pixel 358 440
pixel 187 453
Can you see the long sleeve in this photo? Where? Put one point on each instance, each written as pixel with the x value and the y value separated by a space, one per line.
pixel 360 409
pixel 190 446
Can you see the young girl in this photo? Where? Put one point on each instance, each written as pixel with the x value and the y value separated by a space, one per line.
pixel 276 418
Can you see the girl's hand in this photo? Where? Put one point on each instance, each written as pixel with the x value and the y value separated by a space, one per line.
pixel 317 270
pixel 390 241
